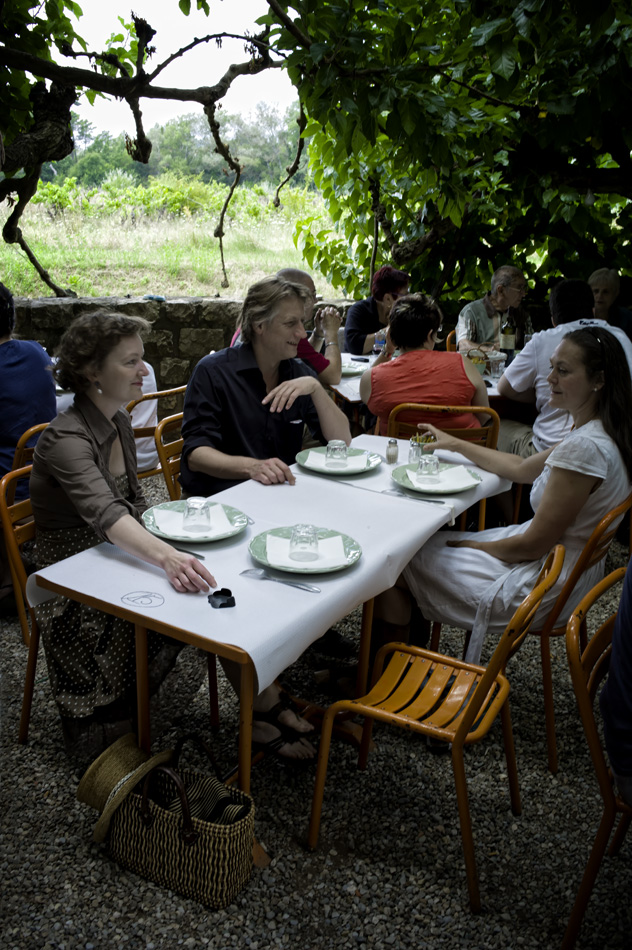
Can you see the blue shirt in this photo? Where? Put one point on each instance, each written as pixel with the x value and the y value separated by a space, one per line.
pixel 27 398
pixel 223 409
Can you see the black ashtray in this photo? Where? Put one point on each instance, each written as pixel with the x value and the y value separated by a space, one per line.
pixel 221 598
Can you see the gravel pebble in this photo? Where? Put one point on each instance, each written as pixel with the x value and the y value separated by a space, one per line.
pixel 389 868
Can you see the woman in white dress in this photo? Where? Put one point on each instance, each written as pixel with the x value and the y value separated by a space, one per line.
pixel 475 581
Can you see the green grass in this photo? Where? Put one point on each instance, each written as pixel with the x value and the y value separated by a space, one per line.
pixel 107 256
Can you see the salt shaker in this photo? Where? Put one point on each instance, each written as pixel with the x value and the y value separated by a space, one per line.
pixel 392 452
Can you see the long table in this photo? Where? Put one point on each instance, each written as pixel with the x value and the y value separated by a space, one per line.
pixel 271 624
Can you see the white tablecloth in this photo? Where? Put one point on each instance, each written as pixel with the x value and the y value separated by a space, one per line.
pixel 273 623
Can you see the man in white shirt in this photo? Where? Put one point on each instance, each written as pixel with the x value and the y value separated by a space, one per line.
pixel 525 379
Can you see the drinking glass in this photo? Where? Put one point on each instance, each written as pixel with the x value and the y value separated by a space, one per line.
pixel 197 515
pixel 428 466
pixel 496 368
pixel 304 542
pixel 336 456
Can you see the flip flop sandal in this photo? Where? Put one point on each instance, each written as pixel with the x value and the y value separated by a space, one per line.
pixel 273 746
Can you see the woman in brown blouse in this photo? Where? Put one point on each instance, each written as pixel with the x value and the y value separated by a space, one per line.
pixel 85 490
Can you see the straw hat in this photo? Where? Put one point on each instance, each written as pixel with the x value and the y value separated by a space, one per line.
pixel 111 778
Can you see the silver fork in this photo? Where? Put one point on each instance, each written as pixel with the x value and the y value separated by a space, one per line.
pixel 262 575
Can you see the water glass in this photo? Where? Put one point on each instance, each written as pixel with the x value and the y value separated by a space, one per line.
pixel 197 516
pixel 496 368
pixel 304 542
pixel 415 450
pixel 336 456
pixel 428 466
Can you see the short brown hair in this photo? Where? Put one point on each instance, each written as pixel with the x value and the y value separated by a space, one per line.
pixel 87 343
pixel 262 302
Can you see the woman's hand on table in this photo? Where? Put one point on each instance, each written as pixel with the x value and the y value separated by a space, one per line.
pixel 185 573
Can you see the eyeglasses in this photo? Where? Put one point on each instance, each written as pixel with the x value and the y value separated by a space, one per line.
pixel 521 288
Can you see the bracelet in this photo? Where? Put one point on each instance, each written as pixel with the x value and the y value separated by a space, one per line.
pixel 318 336
pixel 331 343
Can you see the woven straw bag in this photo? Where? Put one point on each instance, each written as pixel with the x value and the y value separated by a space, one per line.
pixel 194 835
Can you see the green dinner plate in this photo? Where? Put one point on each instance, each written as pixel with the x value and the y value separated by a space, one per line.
pixel 353 369
pixel 236 517
pixel 400 475
pixel 257 547
pixel 372 462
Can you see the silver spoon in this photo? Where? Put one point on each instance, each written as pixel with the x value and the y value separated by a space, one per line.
pixel 263 575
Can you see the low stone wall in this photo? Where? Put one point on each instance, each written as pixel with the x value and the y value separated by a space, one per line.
pixel 183 330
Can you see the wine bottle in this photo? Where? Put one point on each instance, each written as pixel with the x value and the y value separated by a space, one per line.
pixel 508 338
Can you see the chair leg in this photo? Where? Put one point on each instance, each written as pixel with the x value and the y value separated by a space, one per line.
pixel 619 835
pixel 213 695
pixel 435 636
pixel 29 684
pixel 510 757
pixel 465 820
pixel 365 743
pixel 321 774
pixel 482 511
pixel 588 880
pixel 549 709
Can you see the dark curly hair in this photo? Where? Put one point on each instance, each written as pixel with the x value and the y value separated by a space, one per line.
pixel 605 362
pixel 7 311
pixel 87 343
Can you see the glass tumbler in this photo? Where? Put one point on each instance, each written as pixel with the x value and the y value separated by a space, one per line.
pixel 304 543
pixel 197 516
pixel 336 455
pixel 428 466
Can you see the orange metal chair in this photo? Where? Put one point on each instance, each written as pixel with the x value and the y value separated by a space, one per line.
pixel 486 434
pixel 169 452
pixel 23 454
pixel 594 551
pixel 18 526
pixel 450 342
pixel 589 659
pixel 149 432
pixel 160 394
pixel 444 698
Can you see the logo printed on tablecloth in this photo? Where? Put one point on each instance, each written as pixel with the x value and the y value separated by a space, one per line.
pixel 143 598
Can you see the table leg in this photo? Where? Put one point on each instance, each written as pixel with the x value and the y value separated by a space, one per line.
pixel 246 699
pixel 142 688
pixel 365 648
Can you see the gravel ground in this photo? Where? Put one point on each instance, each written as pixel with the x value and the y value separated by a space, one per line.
pixel 389 870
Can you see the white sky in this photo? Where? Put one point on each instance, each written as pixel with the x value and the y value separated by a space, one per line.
pixel 203 66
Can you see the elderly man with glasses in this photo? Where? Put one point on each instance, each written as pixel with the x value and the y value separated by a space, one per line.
pixel 480 322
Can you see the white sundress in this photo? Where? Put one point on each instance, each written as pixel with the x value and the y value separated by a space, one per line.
pixel 472 590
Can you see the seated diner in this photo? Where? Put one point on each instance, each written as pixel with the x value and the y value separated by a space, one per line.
pixel 84 491
pixel 420 373
pixel 475 581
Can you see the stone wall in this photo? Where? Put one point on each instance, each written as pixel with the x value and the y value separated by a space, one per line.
pixel 183 330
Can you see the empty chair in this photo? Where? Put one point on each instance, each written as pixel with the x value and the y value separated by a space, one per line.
pixel 144 413
pixel 446 699
pixel 589 660
pixel 170 451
